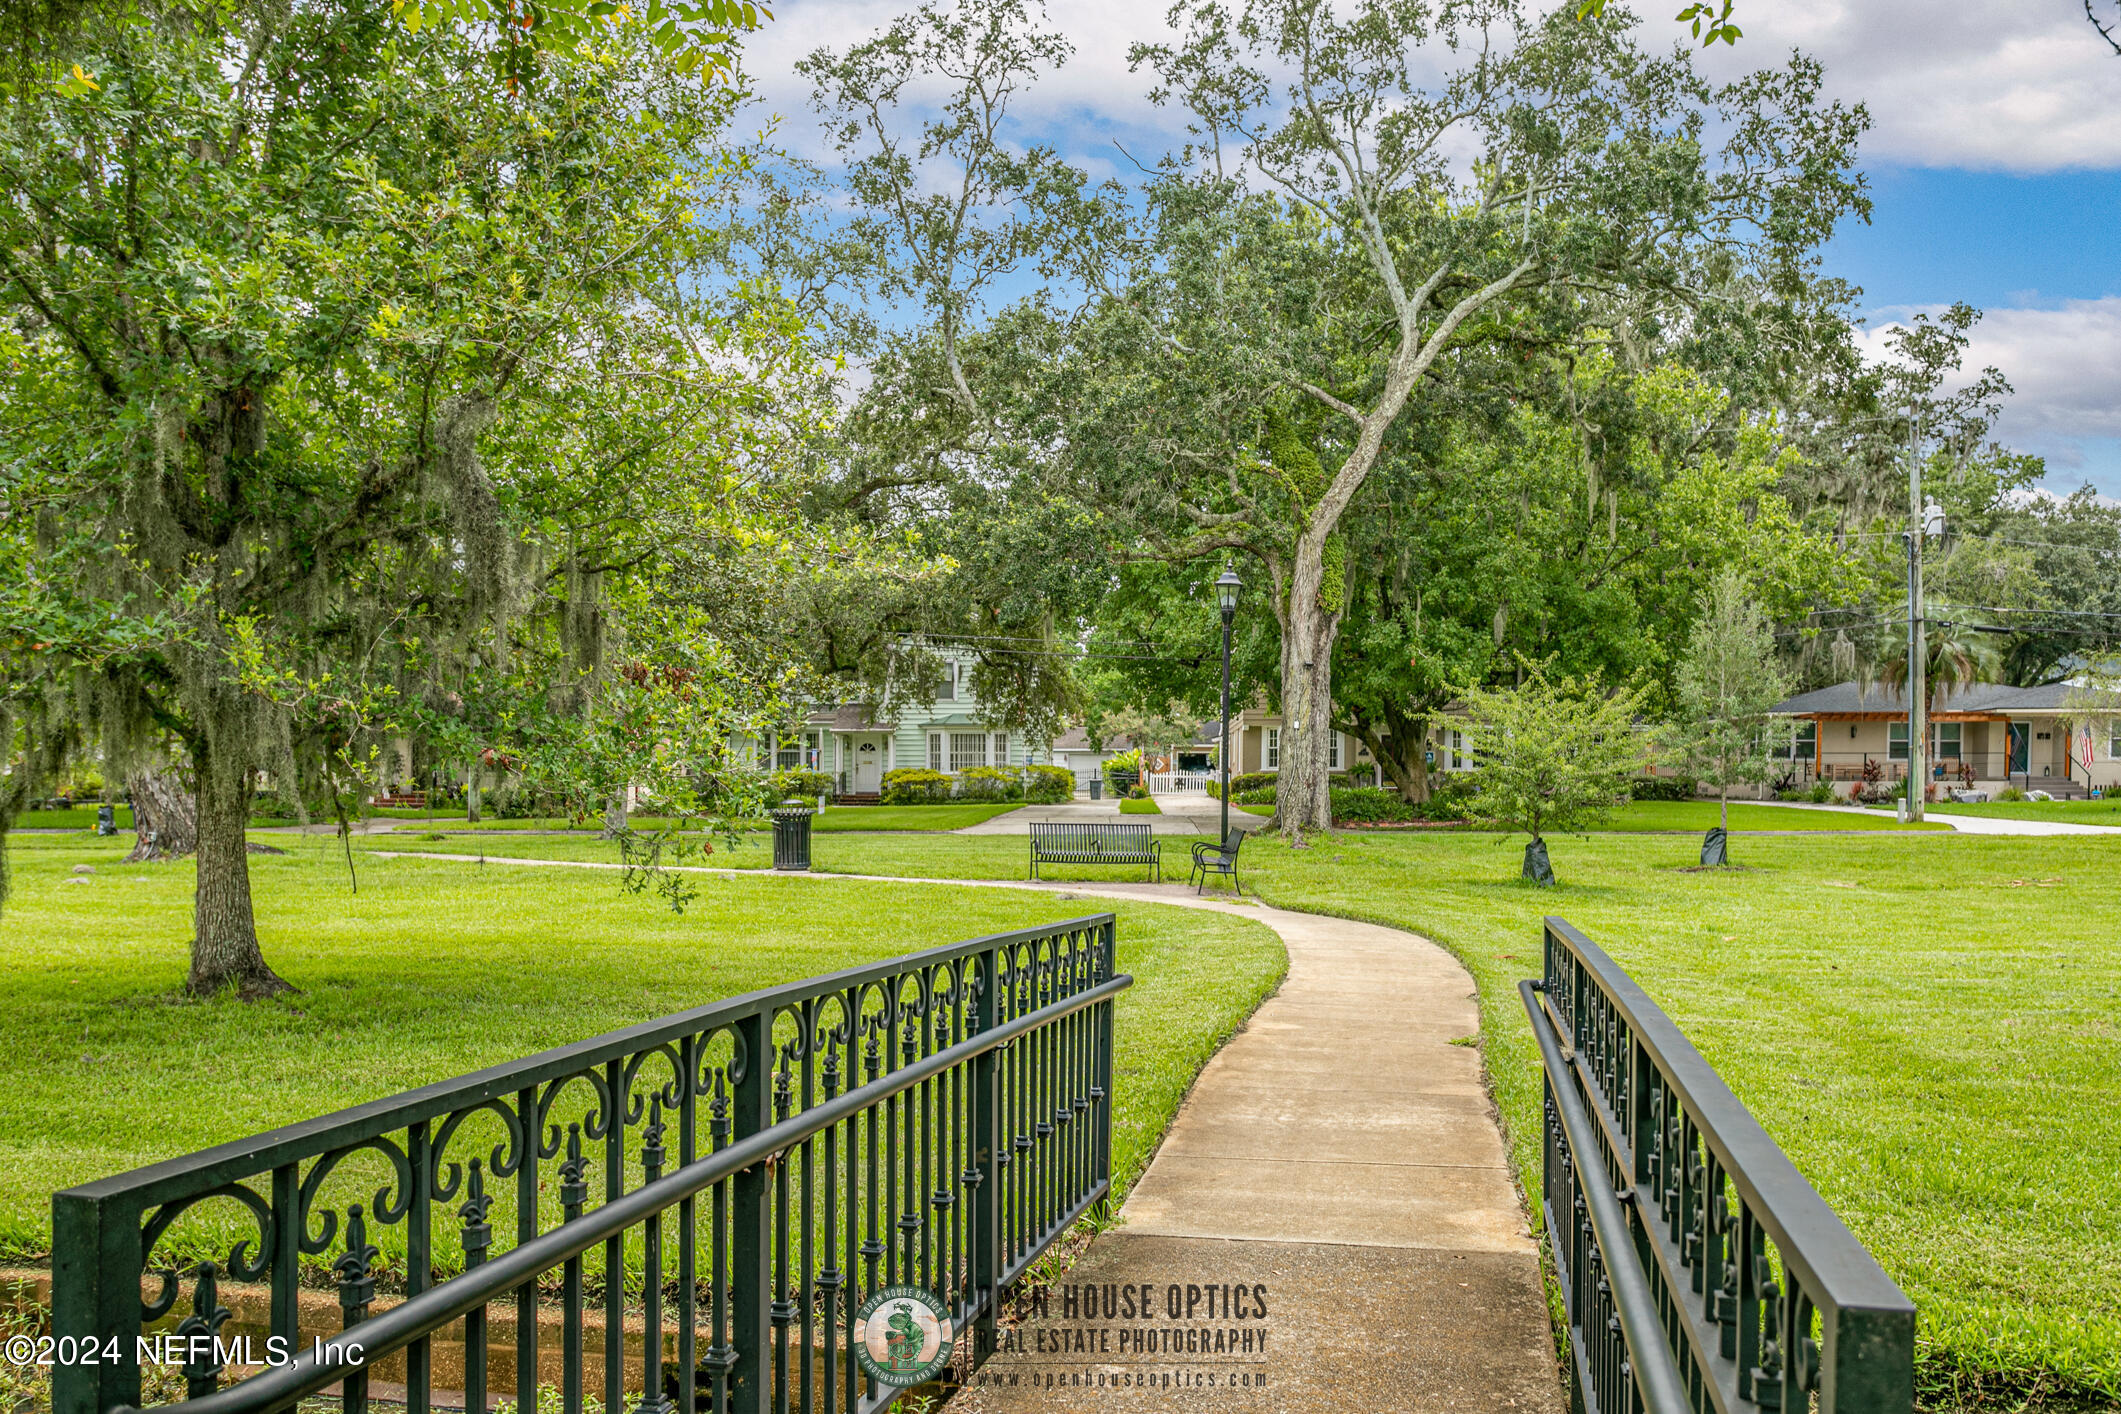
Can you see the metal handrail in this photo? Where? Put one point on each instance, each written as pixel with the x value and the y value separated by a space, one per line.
pixel 1813 1240
pixel 329 1363
pixel 185 1176
pixel 1687 1241
pixel 1656 1376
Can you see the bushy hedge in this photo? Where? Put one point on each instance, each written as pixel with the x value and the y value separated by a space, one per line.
pixel 801 785
pixel 1048 785
pixel 989 783
pixel 1661 788
pixel 912 785
pixel 1371 805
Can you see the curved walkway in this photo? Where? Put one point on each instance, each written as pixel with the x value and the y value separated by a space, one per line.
pixel 1341 1157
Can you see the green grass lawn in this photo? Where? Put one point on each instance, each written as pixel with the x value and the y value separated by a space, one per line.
pixel 1699 816
pixel 1927 1027
pixel 1145 806
pixel 837 817
pixel 77 817
pixel 435 969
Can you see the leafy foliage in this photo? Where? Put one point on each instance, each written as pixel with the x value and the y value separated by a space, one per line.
pixel 1556 753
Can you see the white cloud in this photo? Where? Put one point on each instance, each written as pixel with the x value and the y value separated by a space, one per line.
pixel 2064 364
pixel 2006 85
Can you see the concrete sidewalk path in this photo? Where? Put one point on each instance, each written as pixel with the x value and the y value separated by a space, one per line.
pixel 1340 1156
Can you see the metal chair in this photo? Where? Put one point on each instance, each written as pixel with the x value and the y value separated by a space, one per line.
pixel 1217 859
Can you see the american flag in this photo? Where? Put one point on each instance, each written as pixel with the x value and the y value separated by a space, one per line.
pixel 2084 748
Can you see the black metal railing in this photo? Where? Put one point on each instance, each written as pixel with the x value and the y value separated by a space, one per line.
pixel 1700 1270
pixel 765 1164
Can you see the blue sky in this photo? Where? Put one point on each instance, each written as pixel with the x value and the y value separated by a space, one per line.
pixel 1994 158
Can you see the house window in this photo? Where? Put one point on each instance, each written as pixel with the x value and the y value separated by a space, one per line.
pixel 1333 751
pixel 967 749
pixel 1461 758
pixel 798 750
pixel 1273 761
pixel 935 751
pixel 1001 748
pixel 1950 736
pixel 1896 741
pixel 948 691
pixel 2113 739
pixel 1800 745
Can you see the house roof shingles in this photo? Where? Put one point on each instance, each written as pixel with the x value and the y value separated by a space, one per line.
pixel 1845 699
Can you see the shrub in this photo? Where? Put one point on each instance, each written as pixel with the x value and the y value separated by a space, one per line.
pixel 1453 800
pixel 1048 785
pixel 989 783
pixel 2010 793
pixel 803 785
pixel 1821 793
pixel 1661 788
pixel 1251 780
pixel 1259 795
pixel 1124 769
pixel 910 785
pixel 1371 805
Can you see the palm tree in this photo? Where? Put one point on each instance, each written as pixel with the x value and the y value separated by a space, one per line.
pixel 1955 656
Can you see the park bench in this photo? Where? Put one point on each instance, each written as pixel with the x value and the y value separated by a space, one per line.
pixel 1217 859
pixel 1079 843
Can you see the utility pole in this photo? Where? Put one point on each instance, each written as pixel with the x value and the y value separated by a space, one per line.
pixel 1917 645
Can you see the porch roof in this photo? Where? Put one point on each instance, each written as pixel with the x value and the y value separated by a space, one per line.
pixel 1983 702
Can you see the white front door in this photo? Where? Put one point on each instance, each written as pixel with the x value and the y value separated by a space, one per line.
pixel 868 766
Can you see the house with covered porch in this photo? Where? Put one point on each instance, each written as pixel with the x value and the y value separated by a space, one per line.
pixel 856 743
pixel 1996 735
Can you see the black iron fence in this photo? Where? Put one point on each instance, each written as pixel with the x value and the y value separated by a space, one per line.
pixel 686 1214
pixel 1700 1270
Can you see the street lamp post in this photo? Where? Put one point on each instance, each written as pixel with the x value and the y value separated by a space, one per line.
pixel 1226 599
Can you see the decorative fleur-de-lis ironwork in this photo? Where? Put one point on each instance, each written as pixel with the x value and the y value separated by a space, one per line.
pixel 574 1186
pixel 652 1151
pixel 478 1233
pixel 356 1269
pixel 718 1121
pixel 783 1090
pixel 357 1287
pixel 202 1371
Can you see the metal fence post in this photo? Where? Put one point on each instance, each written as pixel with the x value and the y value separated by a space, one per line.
pixel 987 1196
pixel 751 1226
pixel 95 1296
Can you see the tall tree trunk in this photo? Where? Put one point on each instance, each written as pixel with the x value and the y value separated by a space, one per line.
pixel 224 950
pixel 614 818
pixel 471 793
pixel 1302 796
pixel 165 816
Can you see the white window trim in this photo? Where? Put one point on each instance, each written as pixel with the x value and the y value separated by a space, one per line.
pixel 1270 757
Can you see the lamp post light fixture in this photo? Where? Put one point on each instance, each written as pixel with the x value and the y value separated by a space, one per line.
pixel 1226 599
